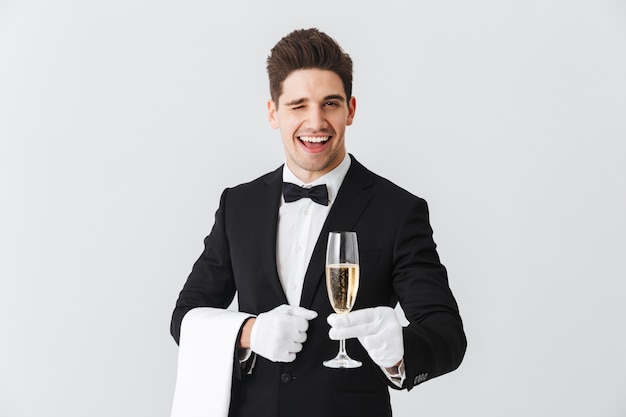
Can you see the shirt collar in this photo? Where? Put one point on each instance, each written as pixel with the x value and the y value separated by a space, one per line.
pixel 332 179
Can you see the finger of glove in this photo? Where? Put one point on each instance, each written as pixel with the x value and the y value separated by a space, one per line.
pixel 284 357
pixel 299 337
pixel 275 328
pixel 297 324
pixel 354 318
pixel 283 309
pixel 280 320
pixel 286 353
pixel 302 312
pixel 359 330
pixel 288 325
pixel 294 347
pixel 282 336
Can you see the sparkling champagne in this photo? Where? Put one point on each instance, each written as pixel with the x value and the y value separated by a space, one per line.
pixel 342 283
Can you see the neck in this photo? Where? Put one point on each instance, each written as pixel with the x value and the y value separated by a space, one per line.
pixel 307 176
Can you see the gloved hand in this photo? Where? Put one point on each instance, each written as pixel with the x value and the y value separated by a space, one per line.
pixel 278 334
pixel 378 330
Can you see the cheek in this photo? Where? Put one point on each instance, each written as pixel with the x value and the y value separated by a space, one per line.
pixel 339 127
pixel 286 135
pixel 289 127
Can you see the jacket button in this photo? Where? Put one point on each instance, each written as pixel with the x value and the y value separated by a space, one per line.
pixel 285 378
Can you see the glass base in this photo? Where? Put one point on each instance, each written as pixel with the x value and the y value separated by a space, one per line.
pixel 342 361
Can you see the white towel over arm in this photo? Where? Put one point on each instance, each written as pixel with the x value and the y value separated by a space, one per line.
pixel 208 338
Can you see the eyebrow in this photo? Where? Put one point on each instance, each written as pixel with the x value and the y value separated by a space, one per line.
pixel 295 102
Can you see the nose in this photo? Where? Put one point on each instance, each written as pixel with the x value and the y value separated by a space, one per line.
pixel 315 119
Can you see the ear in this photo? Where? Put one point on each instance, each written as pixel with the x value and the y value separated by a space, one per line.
pixel 351 110
pixel 271 114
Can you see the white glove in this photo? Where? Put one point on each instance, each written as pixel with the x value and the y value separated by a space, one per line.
pixel 378 330
pixel 278 334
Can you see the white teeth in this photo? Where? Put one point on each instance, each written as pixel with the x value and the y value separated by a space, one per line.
pixel 314 139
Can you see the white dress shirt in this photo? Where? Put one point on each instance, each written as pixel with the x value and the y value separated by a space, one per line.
pixel 299 226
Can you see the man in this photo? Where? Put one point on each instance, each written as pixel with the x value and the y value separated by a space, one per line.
pixel 270 251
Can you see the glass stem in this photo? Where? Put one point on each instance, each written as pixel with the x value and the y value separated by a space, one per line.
pixel 342 347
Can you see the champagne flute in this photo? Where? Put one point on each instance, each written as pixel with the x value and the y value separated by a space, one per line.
pixel 342 284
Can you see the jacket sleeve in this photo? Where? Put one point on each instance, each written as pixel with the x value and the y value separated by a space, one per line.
pixel 434 340
pixel 211 282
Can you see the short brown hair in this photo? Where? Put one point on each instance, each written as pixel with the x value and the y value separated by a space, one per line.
pixel 306 49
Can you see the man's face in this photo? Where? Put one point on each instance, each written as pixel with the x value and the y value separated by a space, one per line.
pixel 312 114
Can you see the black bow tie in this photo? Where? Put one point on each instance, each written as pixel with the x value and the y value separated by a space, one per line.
pixel 292 192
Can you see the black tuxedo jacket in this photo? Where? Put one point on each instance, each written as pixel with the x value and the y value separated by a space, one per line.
pixel 398 263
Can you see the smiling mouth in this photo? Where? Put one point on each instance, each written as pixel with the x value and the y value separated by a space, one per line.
pixel 314 139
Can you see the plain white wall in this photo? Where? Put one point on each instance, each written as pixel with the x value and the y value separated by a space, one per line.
pixel 122 121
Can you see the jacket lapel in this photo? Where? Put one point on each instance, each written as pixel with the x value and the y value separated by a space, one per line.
pixel 351 200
